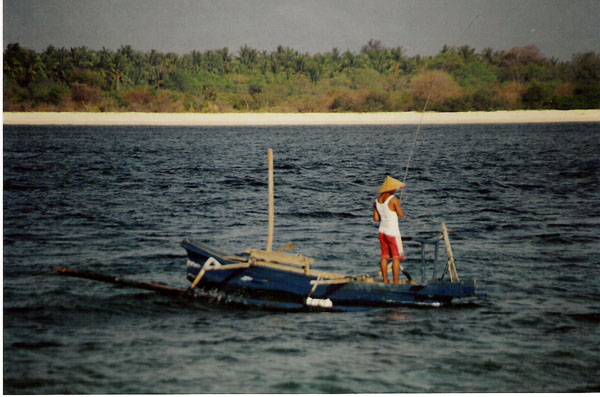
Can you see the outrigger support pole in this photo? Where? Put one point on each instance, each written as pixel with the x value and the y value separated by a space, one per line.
pixel 213 264
pixel 164 289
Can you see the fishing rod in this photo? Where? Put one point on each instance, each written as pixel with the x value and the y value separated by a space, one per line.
pixel 418 131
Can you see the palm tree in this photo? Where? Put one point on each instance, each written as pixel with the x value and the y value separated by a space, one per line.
pixel 467 52
pixel 155 60
pixel 376 55
pixel 49 58
pixel 118 71
pixel 82 57
pixel 22 65
pixel 247 57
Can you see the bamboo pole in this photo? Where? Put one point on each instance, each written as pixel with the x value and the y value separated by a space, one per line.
pixel 451 265
pixel 213 264
pixel 271 203
pixel 164 289
pixel 332 281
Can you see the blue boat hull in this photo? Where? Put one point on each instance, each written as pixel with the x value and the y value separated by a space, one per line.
pixel 279 288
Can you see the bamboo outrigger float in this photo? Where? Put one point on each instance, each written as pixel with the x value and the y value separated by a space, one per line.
pixel 281 280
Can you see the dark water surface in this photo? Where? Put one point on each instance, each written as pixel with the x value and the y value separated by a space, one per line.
pixel 524 198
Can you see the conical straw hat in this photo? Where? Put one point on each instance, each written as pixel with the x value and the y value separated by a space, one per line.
pixel 391 184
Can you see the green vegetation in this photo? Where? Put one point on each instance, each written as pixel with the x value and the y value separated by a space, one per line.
pixel 375 79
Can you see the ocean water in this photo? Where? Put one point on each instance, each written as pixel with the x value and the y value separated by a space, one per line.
pixel 524 201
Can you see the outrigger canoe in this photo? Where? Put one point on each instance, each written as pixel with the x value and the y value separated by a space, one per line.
pixel 276 279
pixel 279 280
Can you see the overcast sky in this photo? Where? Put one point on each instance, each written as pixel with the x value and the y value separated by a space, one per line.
pixel 560 28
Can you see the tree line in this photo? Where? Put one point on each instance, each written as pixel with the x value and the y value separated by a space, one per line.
pixel 375 79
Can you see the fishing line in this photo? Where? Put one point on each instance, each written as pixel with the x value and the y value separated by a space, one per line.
pixel 418 131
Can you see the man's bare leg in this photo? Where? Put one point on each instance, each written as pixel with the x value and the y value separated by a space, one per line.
pixel 396 270
pixel 384 272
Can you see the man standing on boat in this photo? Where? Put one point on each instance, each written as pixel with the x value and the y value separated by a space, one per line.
pixel 386 211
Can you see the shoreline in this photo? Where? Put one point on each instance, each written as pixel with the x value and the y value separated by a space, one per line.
pixel 276 119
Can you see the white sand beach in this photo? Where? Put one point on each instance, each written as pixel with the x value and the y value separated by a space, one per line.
pixel 273 119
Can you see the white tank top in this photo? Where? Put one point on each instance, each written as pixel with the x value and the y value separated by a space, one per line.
pixel 388 223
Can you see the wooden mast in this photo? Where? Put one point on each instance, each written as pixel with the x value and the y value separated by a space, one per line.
pixel 271 203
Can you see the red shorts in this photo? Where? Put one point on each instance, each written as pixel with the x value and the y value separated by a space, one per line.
pixel 391 246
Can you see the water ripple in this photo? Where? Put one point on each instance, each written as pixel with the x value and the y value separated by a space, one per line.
pixel 523 199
